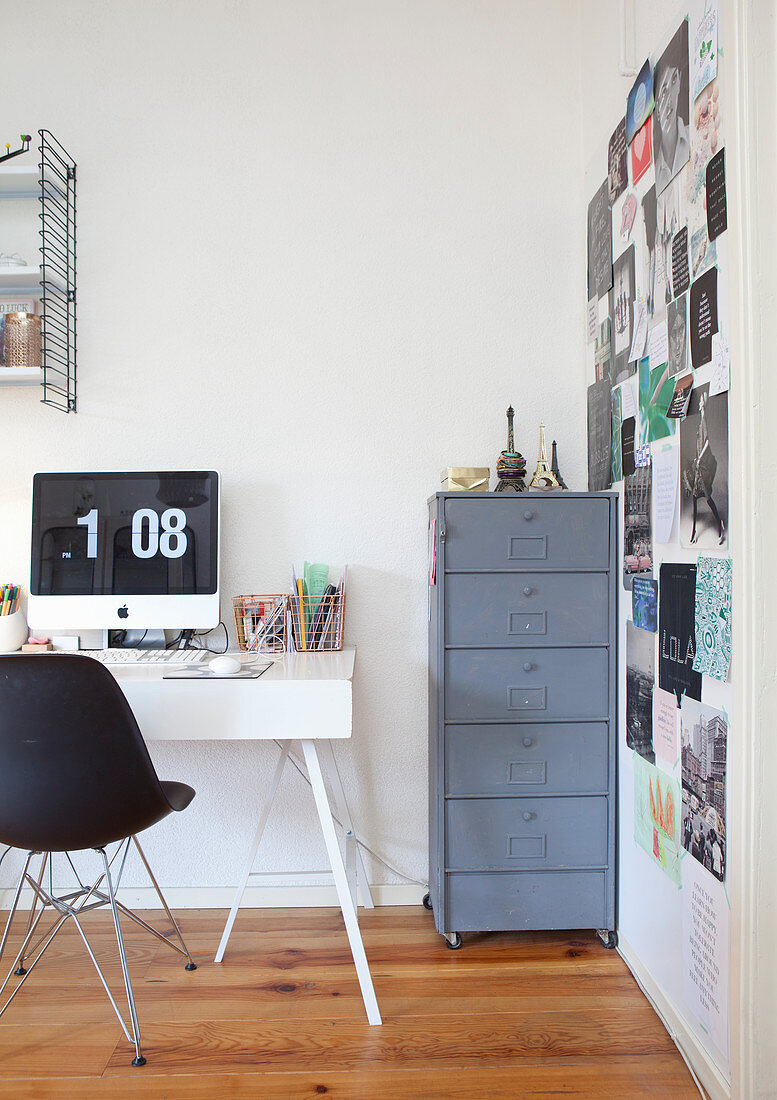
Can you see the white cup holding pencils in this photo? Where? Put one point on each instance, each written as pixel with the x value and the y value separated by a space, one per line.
pixel 13 631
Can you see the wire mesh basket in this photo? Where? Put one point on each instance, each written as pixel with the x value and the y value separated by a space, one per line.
pixel 317 622
pixel 260 622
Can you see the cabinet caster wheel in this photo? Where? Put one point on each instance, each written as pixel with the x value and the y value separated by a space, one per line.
pixel 426 901
pixel 609 939
pixel 452 940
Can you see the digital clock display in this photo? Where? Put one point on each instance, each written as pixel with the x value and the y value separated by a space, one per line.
pixel 125 534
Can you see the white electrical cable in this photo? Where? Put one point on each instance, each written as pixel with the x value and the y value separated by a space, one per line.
pixel 362 844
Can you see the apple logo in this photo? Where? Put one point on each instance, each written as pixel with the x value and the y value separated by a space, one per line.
pixel 123 612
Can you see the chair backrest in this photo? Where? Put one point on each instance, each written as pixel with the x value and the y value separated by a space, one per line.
pixel 74 769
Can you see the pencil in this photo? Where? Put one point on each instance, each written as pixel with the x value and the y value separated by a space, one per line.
pixel 301 613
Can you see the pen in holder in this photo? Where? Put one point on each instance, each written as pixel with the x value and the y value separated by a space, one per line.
pixel 13 632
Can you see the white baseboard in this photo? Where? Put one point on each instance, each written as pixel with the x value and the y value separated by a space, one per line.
pixel 713 1081
pixel 256 897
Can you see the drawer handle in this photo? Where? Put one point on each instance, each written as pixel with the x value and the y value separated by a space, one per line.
pixel 527 666
pixel 527 590
pixel 528 515
pixel 528 816
pixel 528 742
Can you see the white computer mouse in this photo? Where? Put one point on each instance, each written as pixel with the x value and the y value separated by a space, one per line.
pixel 224 665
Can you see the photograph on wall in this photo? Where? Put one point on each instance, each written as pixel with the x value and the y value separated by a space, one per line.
pixel 599 243
pixel 670 218
pixel 644 604
pixel 704 470
pixel 599 436
pixel 639 102
pixel 603 351
pixel 655 394
pixel 640 677
pixel 653 284
pixel 681 398
pixel 642 151
pixel 656 816
pixel 713 617
pixel 677 630
pixel 623 294
pixel 706 141
pixel 616 470
pixel 671 137
pixel 617 162
pixel 703 740
pixel 637 536
pixel 677 328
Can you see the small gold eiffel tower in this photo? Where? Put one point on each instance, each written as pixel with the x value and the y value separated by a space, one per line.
pixel 543 478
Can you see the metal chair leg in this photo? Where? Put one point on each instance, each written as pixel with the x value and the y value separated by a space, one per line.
pixel 15 904
pixel 191 965
pixel 46 856
pixel 138 1060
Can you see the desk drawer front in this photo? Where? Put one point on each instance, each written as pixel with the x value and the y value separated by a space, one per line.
pixel 529 759
pixel 492 834
pixel 527 533
pixel 530 609
pixel 531 683
pixel 506 902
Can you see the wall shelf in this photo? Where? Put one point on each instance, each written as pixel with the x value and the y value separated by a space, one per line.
pixel 19 280
pixel 20 181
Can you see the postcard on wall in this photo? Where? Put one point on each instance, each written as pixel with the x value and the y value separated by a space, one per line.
pixel 599 436
pixel 637 349
pixel 592 319
pixel 628 427
pixel 666 716
pixel 656 816
pixel 644 603
pixel 719 377
pixel 670 218
pixel 666 477
pixel 704 48
pixel 677 329
pixel 642 455
pixel 599 243
pixel 603 351
pixel 677 630
pixel 639 102
pixel 658 345
pixel 704 470
pixel 703 308
pixel 717 215
pixel 616 471
pixel 671 136
pixel 617 162
pixel 637 536
pixel 642 151
pixel 628 213
pixel 656 389
pixel 681 397
pixel 623 299
pixel 681 278
pixel 653 277
pixel 706 140
pixel 703 748
pixel 706 952
pixel 713 617
pixel 640 676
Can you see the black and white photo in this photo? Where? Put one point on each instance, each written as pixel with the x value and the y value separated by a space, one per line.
pixel 704 742
pixel 671 138
pixel 623 295
pixel 654 281
pixel 637 535
pixel 640 678
pixel 599 436
pixel 677 328
pixel 599 243
pixel 704 470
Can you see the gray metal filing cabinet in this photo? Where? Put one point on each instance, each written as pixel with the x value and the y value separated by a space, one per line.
pixel 522 712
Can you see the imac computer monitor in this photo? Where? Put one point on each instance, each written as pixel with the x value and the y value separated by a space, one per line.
pixel 117 551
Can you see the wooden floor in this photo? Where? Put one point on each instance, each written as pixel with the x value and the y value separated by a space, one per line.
pixel 509 1016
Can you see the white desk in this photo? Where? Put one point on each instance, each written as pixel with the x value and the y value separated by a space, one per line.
pixel 305 697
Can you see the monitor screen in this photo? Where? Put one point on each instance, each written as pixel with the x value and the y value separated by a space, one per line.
pixel 125 535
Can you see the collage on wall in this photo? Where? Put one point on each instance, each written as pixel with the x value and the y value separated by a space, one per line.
pixel 657 415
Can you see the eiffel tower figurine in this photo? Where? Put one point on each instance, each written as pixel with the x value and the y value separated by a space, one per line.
pixel 510 466
pixel 555 470
pixel 543 478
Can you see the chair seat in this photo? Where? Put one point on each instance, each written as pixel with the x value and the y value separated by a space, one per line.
pixel 179 795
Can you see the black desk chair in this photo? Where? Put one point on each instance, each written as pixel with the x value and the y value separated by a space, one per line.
pixel 75 773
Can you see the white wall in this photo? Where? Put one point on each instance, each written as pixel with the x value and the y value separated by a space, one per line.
pixel 321 247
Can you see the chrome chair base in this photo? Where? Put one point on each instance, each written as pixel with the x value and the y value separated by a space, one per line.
pixel 71 906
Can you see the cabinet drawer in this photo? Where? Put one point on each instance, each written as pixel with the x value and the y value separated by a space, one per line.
pixel 527 533
pixel 509 902
pixel 529 609
pixel 530 683
pixel 546 758
pixel 490 834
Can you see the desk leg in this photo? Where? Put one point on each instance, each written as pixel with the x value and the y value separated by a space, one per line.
pixel 341 881
pixel 327 753
pixel 265 813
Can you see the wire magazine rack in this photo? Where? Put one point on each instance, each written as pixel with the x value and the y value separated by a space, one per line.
pixel 58 273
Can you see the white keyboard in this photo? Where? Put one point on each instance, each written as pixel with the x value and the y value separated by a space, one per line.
pixel 148 656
